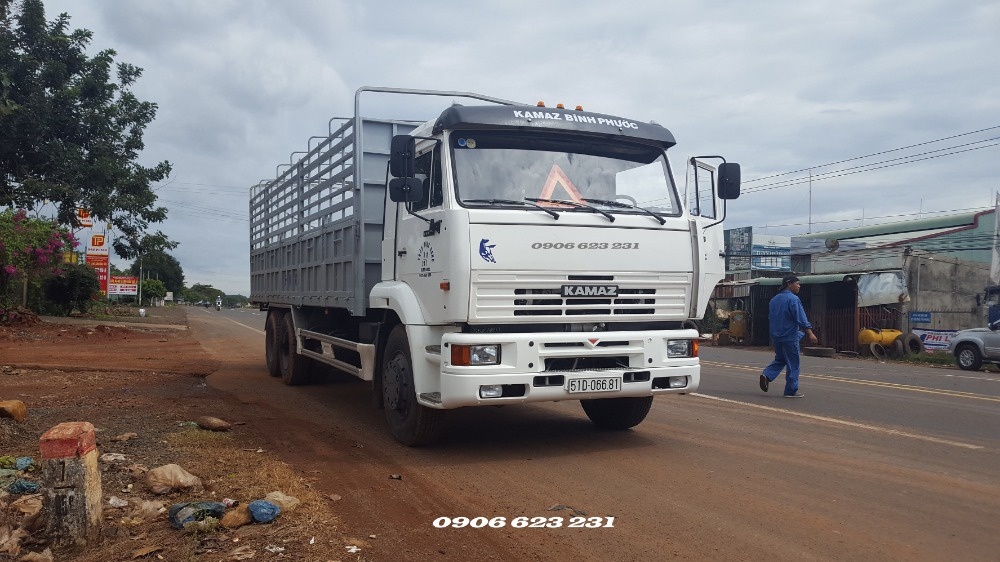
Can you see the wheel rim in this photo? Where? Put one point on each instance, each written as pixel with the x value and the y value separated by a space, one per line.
pixel 965 357
pixel 395 384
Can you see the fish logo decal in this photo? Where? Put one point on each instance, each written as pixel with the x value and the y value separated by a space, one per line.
pixel 486 250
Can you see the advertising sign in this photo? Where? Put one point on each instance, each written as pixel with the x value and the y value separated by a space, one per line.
pixel 771 253
pixel 934 340
pixel 123 285
pixel 920 317
pixel 738 244
pixel 83 218
pixel 97 246
pixel 100 263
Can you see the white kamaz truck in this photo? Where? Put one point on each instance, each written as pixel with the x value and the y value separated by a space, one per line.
pixel 498 254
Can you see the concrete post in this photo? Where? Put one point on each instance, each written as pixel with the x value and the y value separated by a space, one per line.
pixel 72 483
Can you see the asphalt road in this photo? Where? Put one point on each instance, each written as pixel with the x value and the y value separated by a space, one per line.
pixel 877 462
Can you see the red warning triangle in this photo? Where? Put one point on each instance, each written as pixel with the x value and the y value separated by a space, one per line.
pixel 559 177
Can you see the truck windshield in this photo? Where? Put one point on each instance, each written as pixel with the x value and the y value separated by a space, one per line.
pixel 548 168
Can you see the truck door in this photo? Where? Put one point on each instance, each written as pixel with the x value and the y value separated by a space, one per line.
pixel 420 247
pixel 706 211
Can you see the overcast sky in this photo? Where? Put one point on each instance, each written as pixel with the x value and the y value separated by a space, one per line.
pixel 780 86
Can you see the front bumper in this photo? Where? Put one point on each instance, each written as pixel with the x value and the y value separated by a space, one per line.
pixel 537 367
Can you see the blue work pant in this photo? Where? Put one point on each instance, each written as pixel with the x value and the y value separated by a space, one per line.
pixel 786 356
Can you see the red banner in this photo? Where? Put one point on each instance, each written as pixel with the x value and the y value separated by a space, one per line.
pixel 100 263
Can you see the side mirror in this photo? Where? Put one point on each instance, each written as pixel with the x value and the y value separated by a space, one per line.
pixel 994 325
pixel 406 190
pixel 729 180
pixel 401 156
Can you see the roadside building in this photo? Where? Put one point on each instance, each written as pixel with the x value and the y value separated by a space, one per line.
pixel 924 276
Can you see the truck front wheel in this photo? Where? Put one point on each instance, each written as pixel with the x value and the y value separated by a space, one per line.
pixel 410 423
pixel 617 413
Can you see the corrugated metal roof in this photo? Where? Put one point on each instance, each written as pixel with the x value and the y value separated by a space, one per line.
pixel 923 226
pixel 810 279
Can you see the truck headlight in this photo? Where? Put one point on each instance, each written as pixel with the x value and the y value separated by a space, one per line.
pixel 474 355
pixel 682 348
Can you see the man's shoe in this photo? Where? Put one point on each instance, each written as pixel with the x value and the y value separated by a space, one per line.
pixel 764 382
pixel 796 395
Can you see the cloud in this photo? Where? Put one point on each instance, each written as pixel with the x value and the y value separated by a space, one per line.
pixel 779 87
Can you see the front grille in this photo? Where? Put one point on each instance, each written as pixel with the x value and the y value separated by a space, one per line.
pixel 549 302
pixel 538 296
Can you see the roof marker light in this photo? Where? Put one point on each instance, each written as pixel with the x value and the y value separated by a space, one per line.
pixel 540 104
pixel 579 108
pixel 560 106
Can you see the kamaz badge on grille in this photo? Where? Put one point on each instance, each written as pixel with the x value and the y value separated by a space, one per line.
pixel 590 290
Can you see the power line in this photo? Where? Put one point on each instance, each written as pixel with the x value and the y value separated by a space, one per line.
pixel 832 175
pixel 875 154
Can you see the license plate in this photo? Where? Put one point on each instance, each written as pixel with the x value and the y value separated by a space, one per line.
pixel 601 384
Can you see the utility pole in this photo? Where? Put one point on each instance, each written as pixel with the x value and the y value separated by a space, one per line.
pixel 810 201
pixel 140 281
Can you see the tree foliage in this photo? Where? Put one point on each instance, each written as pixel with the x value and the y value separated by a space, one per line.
pixel 75 286
pixel 158 264
pixel 201 292
pixel 152 289
pixel 70 127
pixel 29 248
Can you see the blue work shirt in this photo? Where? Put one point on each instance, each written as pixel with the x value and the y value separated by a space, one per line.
pixel 787 317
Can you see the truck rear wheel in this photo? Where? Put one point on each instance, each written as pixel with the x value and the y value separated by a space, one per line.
pixel 410 423
pixel 295 369
pixel 617 413
pixel 272 334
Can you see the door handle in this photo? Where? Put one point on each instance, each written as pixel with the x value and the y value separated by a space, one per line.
pixel 401 253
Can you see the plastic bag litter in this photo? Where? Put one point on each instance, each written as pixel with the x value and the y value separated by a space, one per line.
pixel 183 513
pixel 169 477
pixel 115 501
pixel 7 461
pixel 24 463
pixel 20 486
pixel 285 502
pixel 111 458
pixel 263 511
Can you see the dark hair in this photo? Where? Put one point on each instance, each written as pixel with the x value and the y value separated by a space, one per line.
pixel 788 280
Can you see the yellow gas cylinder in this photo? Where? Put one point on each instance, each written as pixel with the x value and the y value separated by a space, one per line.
pixel 884 337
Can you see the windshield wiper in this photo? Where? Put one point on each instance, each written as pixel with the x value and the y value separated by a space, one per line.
pixel 621 205
pixel 554 214
pixel 609 216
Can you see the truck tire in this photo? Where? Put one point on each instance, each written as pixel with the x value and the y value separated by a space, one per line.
pixel 617 413
pixel 272 333
pixel 912 344
pixel 968 357
pixel 409 422
pixel 295 369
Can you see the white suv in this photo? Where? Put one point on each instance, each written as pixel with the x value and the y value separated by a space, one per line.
pixel 976 346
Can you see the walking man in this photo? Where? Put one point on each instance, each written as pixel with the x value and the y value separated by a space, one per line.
pixel 787 318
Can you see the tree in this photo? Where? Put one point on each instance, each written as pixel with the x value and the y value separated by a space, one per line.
pixel 30 248
pixel 75 286
pixel 152 289
pixel 200 292
pixel 70 133
pixel 158 264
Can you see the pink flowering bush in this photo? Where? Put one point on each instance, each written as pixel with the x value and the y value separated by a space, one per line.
pixel 30 250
